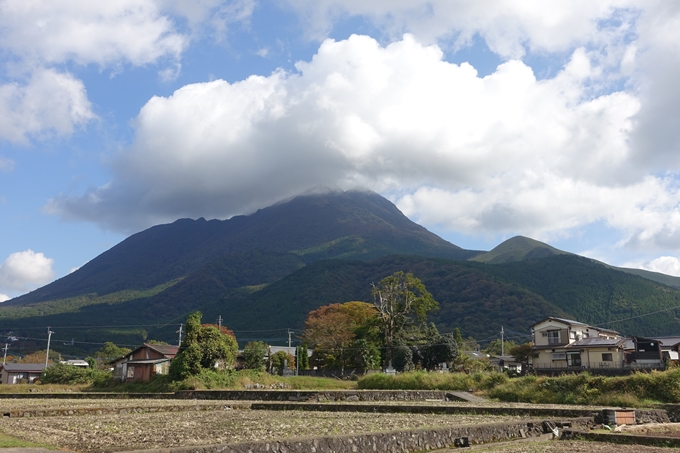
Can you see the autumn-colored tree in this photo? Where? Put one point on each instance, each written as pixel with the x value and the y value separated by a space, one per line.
pixel 332 330
pixel 39 357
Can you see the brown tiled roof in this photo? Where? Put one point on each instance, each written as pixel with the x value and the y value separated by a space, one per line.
pixel 165 349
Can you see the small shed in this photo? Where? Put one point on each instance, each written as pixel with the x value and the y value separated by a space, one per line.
pixel 15 373
pixel 144 362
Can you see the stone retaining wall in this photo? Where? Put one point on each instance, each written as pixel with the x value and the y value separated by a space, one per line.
pixel 642 415
pixel 627 439
pixel 392 442
pixel 313 395
pixel 86 395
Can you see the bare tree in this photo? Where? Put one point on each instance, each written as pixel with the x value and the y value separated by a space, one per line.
pixel 401 300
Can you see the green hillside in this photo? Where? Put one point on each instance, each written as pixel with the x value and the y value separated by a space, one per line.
pixel 518 248
pixel 478 298
pixel 598 295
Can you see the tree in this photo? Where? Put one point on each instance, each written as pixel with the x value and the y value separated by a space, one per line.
pixel 332 331
pixel 278 359
pixel 204 347
pixel 303 357
pixel 254 354
pixel 223 329
pixel 522 353
pixel 110 351
pixel 401 300
pixel 458 338
pixel 39 357
pixel 494 347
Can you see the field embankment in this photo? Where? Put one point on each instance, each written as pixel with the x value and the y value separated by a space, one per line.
pixel 635 390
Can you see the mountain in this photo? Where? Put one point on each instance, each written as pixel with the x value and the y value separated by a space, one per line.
pixel 270 244
pixel 518 248
pixel 264 272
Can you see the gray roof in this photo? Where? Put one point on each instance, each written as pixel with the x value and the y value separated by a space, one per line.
pixel 23 367
pixel 666 341
pixel 596 342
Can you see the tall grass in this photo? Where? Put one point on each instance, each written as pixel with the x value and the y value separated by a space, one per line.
pixel 422 380
pixel 635 390
pixel 237 380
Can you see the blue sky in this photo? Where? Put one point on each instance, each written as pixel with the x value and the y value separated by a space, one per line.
pixel 557 120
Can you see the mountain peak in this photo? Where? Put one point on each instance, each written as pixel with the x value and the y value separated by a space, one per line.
pixel 518 248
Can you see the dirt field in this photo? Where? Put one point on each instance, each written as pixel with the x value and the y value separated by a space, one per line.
pixel 563 446
pixel 173 429
pixel 652 429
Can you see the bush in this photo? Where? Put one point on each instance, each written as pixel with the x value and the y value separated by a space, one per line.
pixel 69 374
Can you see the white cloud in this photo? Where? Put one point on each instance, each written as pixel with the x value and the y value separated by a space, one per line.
pixel 215 15
pixel 49 103
pixel 4 298
pixel 506 153
pixel 509 27
pixel 669 265
pixel 40 37
pixel 503 152
pixel 102 33
pixel 24 271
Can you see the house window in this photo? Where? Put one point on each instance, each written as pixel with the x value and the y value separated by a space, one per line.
pixel 573 359
pixel 586 334
pixel 572 335
pixel 131 371
pixel 559 356
pixel 607 357
pixel 553 337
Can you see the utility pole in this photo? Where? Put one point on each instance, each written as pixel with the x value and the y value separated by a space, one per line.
pixel 180 334
pixel 49 337
pixel 502 342
pixel 4 359
pixel 219 322
pixel 289 340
